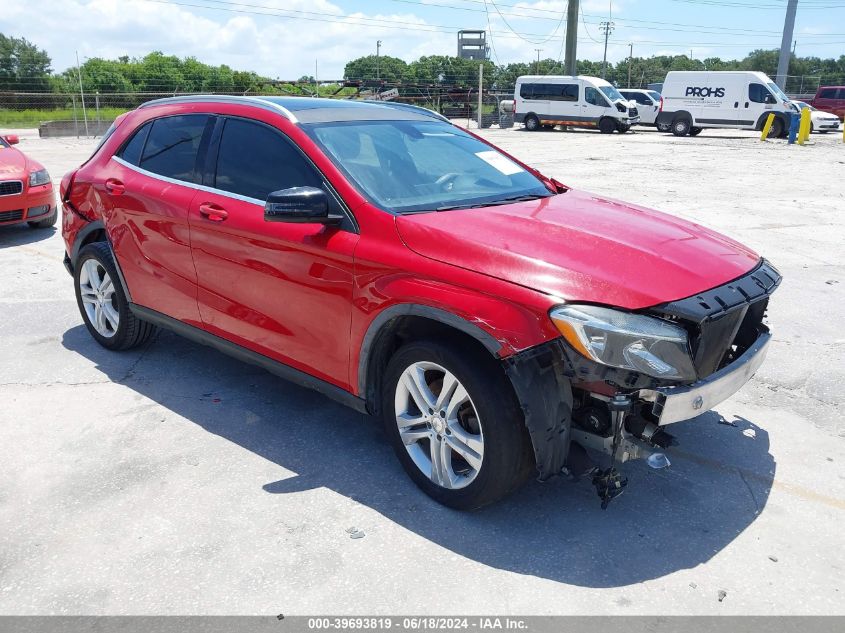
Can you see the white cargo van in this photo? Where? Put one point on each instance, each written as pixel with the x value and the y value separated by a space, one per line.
pixel 549 100
pixel 693 100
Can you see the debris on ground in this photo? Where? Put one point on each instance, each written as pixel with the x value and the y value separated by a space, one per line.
pixel 722 594
pixel 355 532
pixel 726 422
pixel 774 559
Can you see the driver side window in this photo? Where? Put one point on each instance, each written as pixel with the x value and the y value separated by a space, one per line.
pixel 594 97
pixel 758 93
pixel 255 160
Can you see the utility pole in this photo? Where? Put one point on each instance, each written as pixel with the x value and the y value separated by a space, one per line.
pixel 607 27
pixel 316 80
pixel 81 93
pixel 480 89
pixel 569 61
pixel 378 47
pixel 630 61
pixel 539 50
pixel 788 27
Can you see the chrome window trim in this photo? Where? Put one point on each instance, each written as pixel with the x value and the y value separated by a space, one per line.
pixel 260 103
pixel 20 182
pixel 184 183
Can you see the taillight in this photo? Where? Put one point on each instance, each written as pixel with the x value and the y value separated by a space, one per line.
pixel 661 105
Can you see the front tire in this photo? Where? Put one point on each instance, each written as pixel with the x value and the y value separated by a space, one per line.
pixel 778 128
pixel 455 424
pixel 102 302
pixel 532 123
pixel 607 125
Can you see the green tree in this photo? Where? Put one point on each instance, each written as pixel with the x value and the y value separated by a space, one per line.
pixel 23 66
pixel 366 68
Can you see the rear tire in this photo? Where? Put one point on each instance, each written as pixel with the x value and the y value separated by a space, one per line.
pixel 480 412
pixel 102 302
pixel 681 127
pixel 607 125
pixel 695 131
pixel 532 123
pixel 47 222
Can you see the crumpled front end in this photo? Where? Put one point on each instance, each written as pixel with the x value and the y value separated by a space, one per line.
pixel 572 401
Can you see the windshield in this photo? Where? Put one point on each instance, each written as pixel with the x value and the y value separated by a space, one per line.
pixel 415 166
pixel 611 93
pixel 777 91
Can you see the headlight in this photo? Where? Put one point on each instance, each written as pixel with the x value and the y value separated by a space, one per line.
pixel 628 341
pixel 40 177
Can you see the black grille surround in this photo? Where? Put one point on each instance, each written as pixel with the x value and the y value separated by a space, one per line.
pixel 8 216
pixel 725 321
pixel 633 112
pixel 10 187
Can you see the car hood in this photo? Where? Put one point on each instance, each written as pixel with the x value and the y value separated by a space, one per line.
pixel 582 247
pixel 13 163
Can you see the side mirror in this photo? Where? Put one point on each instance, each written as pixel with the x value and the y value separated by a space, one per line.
pixel 299 205
pixel 12 139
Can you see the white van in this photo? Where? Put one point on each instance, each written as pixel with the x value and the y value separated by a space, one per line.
pixel 549 100
pixel 693 100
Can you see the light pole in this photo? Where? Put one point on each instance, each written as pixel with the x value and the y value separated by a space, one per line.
pixel 539 50
pixel 630 61
pixel 378 47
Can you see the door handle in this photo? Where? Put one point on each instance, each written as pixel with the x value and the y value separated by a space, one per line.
pixel 213 212
pixel 114 186
pixel 736 104
pixel 746 104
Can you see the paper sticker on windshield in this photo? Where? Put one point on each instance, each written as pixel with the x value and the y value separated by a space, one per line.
pixel 499 162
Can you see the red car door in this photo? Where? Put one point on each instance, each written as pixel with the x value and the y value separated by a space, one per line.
pixel 283 290
pixel 148 190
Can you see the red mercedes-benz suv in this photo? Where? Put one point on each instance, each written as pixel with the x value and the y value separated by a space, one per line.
pixel 498 321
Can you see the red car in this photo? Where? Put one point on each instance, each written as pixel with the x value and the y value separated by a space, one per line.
pixel 26 191
pixel 830 99
pixel 498 321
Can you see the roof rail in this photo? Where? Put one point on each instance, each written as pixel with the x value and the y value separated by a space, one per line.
pixel 408 106
pixel 260 103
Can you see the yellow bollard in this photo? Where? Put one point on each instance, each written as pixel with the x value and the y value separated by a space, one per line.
pixel 843 133
pixel 804 127
pixel 767 126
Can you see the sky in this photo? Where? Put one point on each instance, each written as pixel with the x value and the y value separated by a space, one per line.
pixel 286 39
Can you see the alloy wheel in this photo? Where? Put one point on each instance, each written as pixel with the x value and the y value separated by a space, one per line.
pixel 439 425
pixel 98 298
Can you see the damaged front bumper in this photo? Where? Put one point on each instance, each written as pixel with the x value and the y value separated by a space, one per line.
pixel 674 404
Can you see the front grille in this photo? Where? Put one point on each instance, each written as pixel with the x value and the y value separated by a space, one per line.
pixel 10 187
pixel 6 216
pixel 633 112
pixel 725 321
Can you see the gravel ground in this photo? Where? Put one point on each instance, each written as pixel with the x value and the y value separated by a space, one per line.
pixel 173 479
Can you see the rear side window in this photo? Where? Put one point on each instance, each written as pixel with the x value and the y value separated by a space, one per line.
pixel 829 93
pixel 131 152
pixel 549 92
pixel 172 145
pixel 841 94
pixel 255 160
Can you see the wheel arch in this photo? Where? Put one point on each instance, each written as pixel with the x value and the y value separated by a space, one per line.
pixel 761 121
pixel 96 232
pixel 401 323
pixel 683 114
